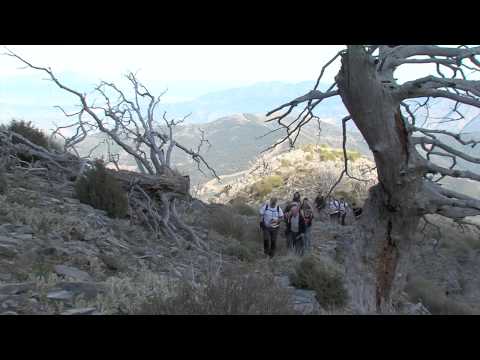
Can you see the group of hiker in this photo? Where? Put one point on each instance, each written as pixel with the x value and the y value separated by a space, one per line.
pixel 298 216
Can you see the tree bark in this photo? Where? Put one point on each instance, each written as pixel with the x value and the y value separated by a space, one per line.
pixel 378 260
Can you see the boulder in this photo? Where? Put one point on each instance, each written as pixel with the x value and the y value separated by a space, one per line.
pixel 80 311
pixel 7 251
pixel 72 272
pixel 16 288
pixel 61 295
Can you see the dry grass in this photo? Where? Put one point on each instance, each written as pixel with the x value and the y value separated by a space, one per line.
pixel 434 299
pixel 324 279
pixel 234 291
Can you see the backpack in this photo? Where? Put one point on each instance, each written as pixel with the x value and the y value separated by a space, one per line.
pixel 308 216
pixel 262 223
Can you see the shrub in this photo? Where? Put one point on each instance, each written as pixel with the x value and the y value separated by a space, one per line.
pixel 285 162
pixel 309 157
pixel 225 221
pixel 433 298
pixel 261 188
pixel 323 279
pixel 244 209
pixel 353 155
pixel 101 190
pixel 3 182
pixel 274 180
pixel 244 251
pixel 30 132
pixel 230 293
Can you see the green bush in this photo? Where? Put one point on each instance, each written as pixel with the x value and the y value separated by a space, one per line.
pixel 323 279
pixel 30 132
pixel 285 162
pixel 433 298
pixel 101 190
pixel 309 157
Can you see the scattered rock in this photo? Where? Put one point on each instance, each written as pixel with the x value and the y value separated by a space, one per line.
pixel 7 251
pixel 9 313
pixel 80 311
pixel 88 290
pixel 60 295
pixel 72 273
pixel 8 240
pixel 7 228
pixel 17 288
pixel 23 237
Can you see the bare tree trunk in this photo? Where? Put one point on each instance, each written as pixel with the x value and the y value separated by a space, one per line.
pixel 390 216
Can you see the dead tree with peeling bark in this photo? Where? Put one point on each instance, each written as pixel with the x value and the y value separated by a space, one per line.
pixel 132 122
pixel 408 188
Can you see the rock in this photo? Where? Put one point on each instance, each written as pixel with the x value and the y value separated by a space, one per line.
pixel 113 263
pixel 89 290
pixel 80 311
pixel 8 240
pixel 72 273
pixel 23 229
pixel 10 303
pixel 306 302
pixel 7 251
pixel 9 313
pixel 60 295
pixel 7 228
pixel 23 237
pixel 17 288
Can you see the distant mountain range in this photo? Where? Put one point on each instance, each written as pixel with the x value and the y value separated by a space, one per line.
pixel 259 98
pixel 236 141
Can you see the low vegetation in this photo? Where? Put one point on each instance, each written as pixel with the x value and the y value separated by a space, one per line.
pixel 3 182
pixel 33 134
pixel 433 298
pixel 101 190
pixel 324 279
pixel 265 186
pixel 234 292
pixel 243 233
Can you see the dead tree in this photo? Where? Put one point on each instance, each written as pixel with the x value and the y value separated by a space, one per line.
pixel 132 122
pixel 385 113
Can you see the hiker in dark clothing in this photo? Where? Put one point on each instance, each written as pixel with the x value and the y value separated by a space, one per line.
pixel 343 208
pixel 357 211
pixel 307 212
pixel 295 201
pixel 271 216
pixel 296 231
pixel 320 202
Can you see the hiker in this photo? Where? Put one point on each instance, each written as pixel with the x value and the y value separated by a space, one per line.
pixel 295 231
pixel 307 213
pixel 271 216
pixel 334 209
pixel 342 207
pixel 320 202
pixel 295 201
pixel 357 211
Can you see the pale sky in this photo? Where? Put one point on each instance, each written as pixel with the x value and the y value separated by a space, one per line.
pixel 252 63
pixel 188 71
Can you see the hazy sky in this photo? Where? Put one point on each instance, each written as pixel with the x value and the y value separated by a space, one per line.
pixel 188 71
pixel 179 62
